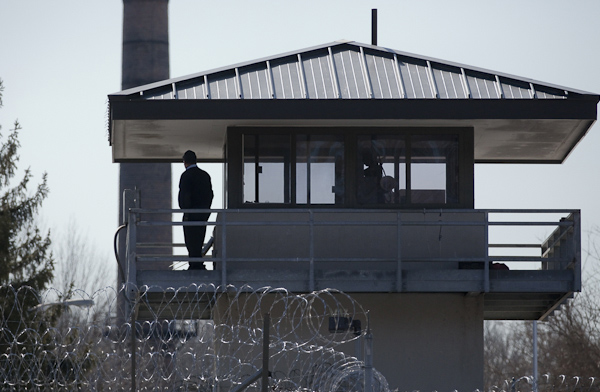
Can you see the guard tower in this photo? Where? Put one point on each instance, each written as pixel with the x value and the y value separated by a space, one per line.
pixel 351 166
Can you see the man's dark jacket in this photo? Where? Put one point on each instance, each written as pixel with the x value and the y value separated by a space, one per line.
pixel 195 191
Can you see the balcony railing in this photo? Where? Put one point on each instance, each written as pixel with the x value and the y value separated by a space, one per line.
pixel 486 251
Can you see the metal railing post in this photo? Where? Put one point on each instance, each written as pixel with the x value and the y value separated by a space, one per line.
pixel 224 250
pixel 311 267
pixel 399 252
pixel 486 242
pixel 131 271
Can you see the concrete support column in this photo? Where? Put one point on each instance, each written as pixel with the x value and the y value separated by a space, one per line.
pixel 146 60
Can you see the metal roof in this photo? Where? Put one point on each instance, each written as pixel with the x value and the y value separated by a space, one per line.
pixel 350 84
pixel 349 70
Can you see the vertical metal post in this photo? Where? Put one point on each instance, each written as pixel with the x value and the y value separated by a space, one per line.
pixel 311 267
pixel 358 348
pixel 486 244
pixel 131 287
pixel 265 359
pixel 398 252
pixel 133 349
pixel 576 215
pixel 224 250
pixel 535 358
pixel 130 199
pixel 368 360
pixel 131 272
pixel 374 27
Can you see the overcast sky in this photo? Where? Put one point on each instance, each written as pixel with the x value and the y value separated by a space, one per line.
pixel 59 60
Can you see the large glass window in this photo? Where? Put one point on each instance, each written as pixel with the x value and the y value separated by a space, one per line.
pixel 407 169
pixel 381 174
pixel 354 167
pixel 434 169
pixel 269 167
pixel 319 169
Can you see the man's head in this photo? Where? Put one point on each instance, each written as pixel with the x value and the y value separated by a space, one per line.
pixel 189 158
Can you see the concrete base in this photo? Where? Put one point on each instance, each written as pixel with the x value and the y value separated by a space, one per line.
pixel 426 342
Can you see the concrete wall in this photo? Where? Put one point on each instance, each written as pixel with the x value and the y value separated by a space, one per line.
pixel 421 342
pixel 351 238
pixel 427 342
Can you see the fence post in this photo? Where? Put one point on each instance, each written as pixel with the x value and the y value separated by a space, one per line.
pixel 311 266
pixel 133 346
pixel 368 360
pixel 535 358
pixel 265 358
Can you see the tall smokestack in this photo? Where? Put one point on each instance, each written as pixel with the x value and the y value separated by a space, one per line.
pixel 146 60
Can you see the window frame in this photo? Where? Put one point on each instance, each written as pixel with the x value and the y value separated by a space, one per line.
pixel 234 151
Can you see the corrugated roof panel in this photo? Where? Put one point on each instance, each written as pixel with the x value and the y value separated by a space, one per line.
pixel 550 93
pixel 449 82
pixel 223 86
pixel 416 79
pixel 255 82
pixel 318 73
pixel 383 75
pixel 514 89
pixel 191 90
pixel 349 70
pixel 165 92
pixel 287 82
pixel 350 73
pixel 482 86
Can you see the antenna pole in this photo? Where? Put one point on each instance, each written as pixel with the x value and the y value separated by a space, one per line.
pixel 374 27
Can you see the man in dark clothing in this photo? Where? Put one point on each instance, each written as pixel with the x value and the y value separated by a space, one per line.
pixel 195 191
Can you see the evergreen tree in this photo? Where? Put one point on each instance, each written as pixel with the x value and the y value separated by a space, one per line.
pixel 25 258
pixel 26 264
